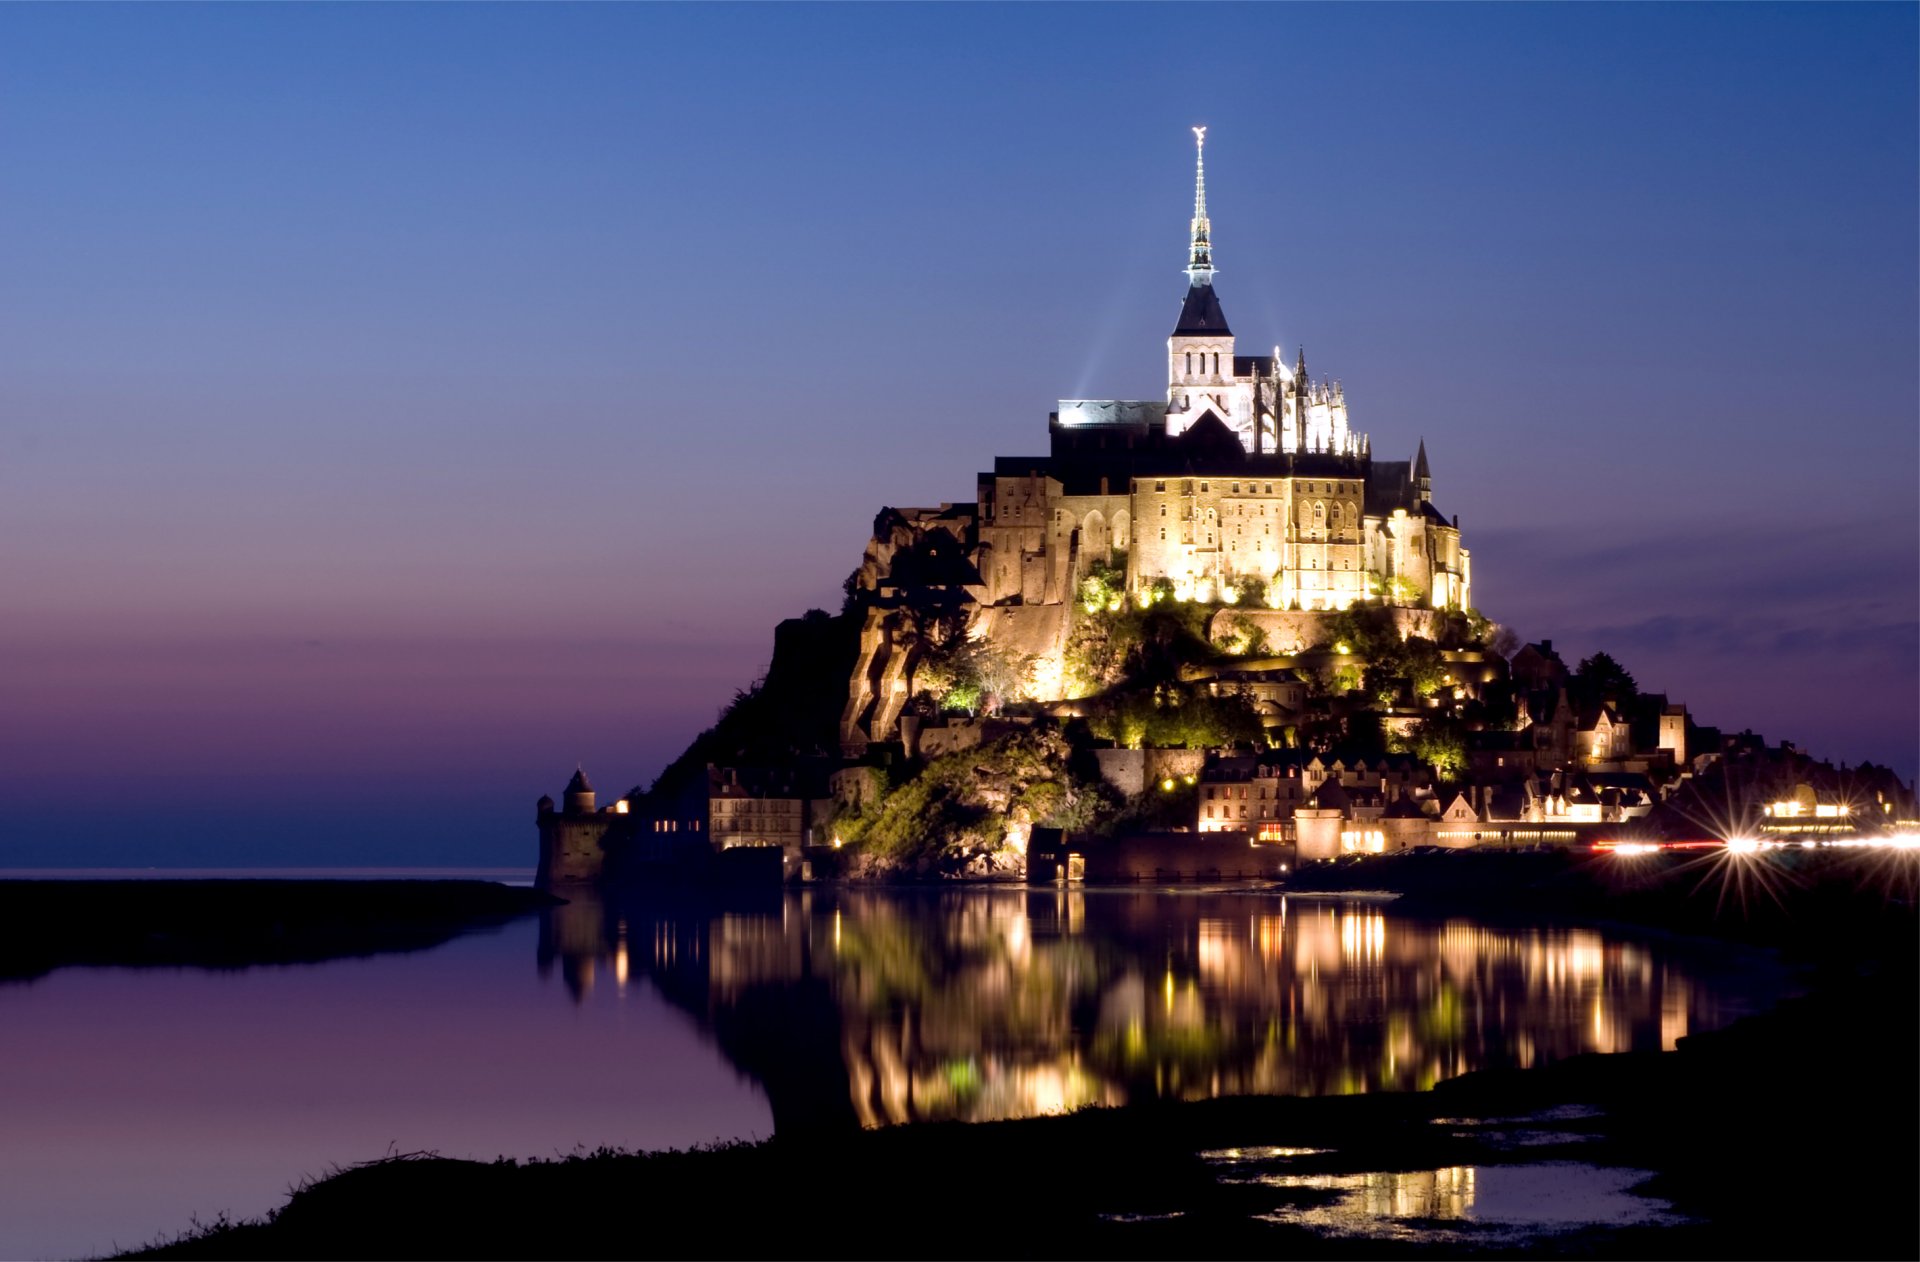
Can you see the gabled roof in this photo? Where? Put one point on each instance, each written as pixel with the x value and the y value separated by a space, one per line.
pixel 1209 439
pixel 1200 314
pixel 1404 807
pixel 1331 795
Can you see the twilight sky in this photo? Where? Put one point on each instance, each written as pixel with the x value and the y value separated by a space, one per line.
pixel 401 403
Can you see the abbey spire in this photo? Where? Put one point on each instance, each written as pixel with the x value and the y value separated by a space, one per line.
pixel 1200 314
pixel 1200 249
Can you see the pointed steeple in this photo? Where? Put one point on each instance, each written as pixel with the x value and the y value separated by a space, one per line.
pixel 1422 477
pixel 1200 248
pixel 1200 314
pixel 1300 371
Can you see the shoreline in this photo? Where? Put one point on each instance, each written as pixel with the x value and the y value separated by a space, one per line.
pixel 237 923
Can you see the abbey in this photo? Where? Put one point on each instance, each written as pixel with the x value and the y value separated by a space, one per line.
pixel 1246 480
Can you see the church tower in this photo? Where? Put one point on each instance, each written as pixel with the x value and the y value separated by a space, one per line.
pixel 1200 370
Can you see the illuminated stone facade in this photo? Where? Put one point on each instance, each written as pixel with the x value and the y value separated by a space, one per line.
pixel 1248 474
pixel 1246 485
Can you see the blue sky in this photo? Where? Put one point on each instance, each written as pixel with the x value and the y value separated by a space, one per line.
pixel 400 403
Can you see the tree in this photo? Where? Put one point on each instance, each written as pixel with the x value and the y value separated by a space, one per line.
pixel 1599 679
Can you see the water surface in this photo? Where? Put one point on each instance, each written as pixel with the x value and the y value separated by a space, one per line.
pixel 137 1098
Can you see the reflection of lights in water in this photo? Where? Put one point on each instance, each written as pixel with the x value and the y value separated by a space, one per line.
pixel 1218 949
pixel 1363 935
pixel 1019 943
pixel 1258 1154
pixel 1269 934
pixel 1673 1012
pixel 970 1006
pixel 1546 1195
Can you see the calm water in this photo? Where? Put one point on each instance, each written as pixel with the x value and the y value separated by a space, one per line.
pixel 134 1099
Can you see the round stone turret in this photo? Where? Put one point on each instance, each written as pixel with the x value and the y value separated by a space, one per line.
pixel 579 795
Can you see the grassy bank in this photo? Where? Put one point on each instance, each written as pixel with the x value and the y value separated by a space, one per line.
pixel 46 925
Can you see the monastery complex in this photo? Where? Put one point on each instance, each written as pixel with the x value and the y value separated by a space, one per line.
pixel 1152 618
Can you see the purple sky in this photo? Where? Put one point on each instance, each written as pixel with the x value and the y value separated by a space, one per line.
pixel 398 404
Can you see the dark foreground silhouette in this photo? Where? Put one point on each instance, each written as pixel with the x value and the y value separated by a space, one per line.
pixel 1790 1134
pixel 46 925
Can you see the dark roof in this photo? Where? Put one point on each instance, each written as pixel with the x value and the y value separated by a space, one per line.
pixel 1420 461
pixel 1331 795
pixel 936 559
pixel 1200 314
pixel 1388 488
pixel 1404 807
pixel 579 782
pixel 1428 511
pixel 1209 436
pixel 1248 365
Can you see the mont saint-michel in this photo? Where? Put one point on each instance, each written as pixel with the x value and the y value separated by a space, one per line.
pixel 1207 636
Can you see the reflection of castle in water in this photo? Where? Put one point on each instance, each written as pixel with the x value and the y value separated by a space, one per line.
pixel 874 1007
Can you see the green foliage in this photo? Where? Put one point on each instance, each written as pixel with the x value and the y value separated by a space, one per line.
pixel 1173 717
pixel 1162 806
pixel 959 673
pixel 1401 590
pixel 1251 593
pixel 794 710
pixel 960 804
pixel 1442 746
pixel 1244 637
pixel 1601 679
pixel 1135 646
pixel 1103 589
pixel 1367 630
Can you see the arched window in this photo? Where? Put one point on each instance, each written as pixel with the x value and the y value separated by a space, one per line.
pixel 1189 363
pixel 1216 363
pixel 1163 534
pixel 1163 510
